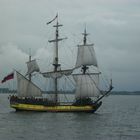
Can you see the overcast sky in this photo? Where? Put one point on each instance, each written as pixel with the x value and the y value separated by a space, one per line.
pixel 114 27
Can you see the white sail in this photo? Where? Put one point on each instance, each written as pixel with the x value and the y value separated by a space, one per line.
pixel 32 66
pixel 86 86
pixel 57 74
pixel 26 88
pixel 86 56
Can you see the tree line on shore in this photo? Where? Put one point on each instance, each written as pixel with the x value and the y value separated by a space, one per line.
pixel 7 90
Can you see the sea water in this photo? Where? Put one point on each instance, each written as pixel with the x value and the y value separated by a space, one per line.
pixel 117 119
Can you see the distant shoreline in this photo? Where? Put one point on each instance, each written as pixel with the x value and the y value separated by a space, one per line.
pixel 8 91
pixel 125 93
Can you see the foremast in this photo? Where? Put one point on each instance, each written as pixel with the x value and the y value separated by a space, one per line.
pixel 56 59
pixel 30 74
pixel 85 34
pixel 87 86
pixel 86 82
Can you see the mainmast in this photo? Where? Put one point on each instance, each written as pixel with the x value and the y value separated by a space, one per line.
pixel 56 59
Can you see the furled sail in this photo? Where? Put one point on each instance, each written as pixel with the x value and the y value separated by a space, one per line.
pixel 87 86
pixel 26 88
pixel 57 74
pixel 86 56
pixel 32 66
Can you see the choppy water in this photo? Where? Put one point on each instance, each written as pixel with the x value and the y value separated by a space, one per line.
pixel 117 119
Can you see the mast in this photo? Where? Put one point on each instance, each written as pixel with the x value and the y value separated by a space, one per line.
pixel 30 75
pixel 85 37
pixel 87 85
pixel 32 66
pixel 84 67
pixel 56 65
pixel 56 59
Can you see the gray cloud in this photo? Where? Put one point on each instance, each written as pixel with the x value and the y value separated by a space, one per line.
pixel 11 58
pixel 113 27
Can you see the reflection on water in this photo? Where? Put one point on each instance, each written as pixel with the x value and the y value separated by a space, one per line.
pixel 117 119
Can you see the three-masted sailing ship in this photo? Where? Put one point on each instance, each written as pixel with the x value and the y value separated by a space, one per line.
pixel 88 96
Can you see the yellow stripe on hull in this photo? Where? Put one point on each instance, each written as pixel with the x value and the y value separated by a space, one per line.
pixel 58 108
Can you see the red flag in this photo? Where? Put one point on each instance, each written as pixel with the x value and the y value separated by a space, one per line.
pixel 8 77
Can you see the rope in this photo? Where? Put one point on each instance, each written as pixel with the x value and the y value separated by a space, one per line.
pixel 95 83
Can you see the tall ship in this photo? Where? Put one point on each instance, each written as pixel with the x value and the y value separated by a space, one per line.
pixel 85 74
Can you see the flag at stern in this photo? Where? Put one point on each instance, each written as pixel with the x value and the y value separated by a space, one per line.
pixel 8 77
